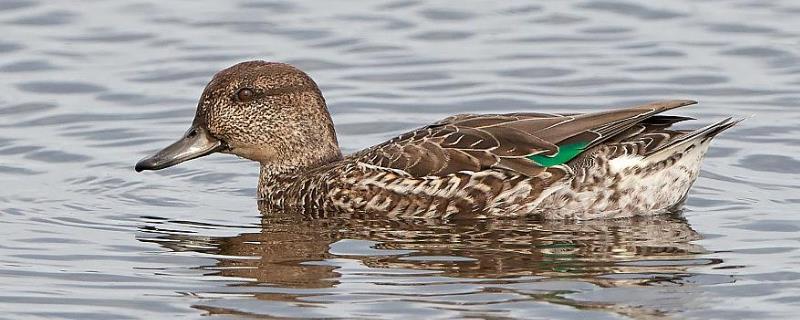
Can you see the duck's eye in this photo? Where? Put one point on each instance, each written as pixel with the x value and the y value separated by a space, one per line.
pixel 245 94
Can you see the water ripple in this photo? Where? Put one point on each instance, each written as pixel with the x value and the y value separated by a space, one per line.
pixel 90 89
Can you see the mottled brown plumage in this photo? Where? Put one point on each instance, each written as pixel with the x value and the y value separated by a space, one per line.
pixel 581 166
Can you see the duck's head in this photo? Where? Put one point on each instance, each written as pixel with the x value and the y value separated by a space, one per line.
pixel 268 112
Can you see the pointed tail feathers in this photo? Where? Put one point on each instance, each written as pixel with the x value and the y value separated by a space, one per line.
pixel 703 134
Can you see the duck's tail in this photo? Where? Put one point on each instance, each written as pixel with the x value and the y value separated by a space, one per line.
pixel 697 137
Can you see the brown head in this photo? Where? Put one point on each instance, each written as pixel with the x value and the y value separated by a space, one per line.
pixel 268 112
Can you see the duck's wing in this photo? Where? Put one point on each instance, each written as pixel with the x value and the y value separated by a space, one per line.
pixel 648 135
pixel 526 143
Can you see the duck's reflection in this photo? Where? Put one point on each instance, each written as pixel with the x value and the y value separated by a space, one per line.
pixel 292 250
pixel 322 256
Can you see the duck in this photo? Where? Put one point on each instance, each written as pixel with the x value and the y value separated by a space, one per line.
pixel 608 164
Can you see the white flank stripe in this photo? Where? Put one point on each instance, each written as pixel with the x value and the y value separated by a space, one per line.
pixel 622 162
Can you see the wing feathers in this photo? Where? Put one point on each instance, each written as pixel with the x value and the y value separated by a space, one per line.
pixel 478 142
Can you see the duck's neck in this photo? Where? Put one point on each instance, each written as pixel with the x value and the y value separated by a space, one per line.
pixel 309 144
pixel 279 176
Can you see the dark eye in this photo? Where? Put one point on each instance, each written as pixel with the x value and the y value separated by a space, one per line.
pixel 245 94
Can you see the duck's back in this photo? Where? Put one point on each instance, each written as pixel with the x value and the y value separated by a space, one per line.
pixel 581 166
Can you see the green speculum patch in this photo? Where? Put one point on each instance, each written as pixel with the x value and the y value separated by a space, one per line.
pixel 565 153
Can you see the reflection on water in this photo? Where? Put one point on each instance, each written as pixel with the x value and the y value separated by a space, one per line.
pixel 469 265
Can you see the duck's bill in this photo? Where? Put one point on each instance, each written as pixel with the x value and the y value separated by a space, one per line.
pixel 197 142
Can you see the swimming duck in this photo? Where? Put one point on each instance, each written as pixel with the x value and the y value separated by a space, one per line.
pixel 610 164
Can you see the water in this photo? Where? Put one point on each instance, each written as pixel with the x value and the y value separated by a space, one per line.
pixel 90 87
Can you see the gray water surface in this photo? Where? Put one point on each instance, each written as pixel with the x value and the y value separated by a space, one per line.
pixel 89 87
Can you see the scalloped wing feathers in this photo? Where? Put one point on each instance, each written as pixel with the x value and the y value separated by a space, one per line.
pixel 472 142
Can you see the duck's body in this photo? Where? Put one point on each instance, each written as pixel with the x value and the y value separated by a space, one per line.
pixel 608 164
pixel 644 170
